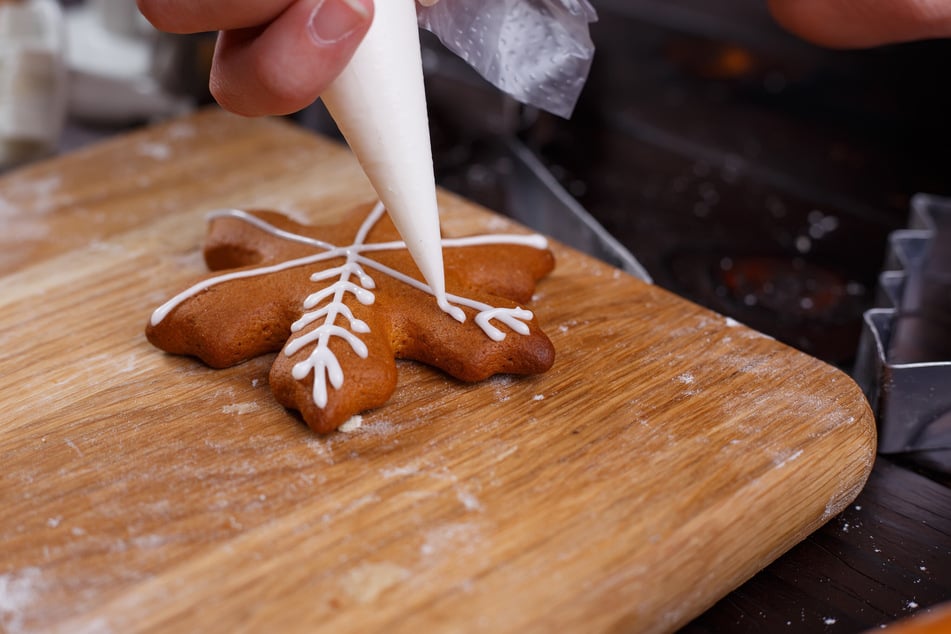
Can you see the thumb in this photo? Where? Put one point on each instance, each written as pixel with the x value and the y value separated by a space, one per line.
pixel 861 23
pixel 285 65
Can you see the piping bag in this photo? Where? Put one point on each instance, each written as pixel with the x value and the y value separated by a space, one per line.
pixel 539 51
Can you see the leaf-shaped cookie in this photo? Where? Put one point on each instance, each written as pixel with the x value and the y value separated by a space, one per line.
pixel 342 302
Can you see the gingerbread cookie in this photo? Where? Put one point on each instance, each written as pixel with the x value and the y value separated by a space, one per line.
pixel 343 302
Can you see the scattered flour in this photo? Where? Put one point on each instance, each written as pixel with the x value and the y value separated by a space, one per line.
pixel 453 539
pixel 321 447
pixel 505 453
pixel 399 472
pixel 154 150
pixel 498 224
pixel 373 428
pixel 366 582
pixel 688 379
pixel 73 446
pixel 502 384
pixel 781 460
pixel 181 130
pixel 149 541
pixel 468 500
pixel 18 592
pixel 240 408
pixel 39 195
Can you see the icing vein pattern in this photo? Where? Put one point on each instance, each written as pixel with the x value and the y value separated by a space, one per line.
pixel 326 307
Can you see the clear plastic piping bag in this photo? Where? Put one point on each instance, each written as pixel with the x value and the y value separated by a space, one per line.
pixel 538 51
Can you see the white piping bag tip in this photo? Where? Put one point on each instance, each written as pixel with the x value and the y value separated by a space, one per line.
pixel 379 104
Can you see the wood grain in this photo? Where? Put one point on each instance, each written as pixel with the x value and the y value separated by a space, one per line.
pixel 885 557
pixel 669 454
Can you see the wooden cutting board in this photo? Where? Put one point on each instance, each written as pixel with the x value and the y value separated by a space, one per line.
pixel 668 455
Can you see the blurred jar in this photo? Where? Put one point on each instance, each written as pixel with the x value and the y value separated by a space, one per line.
pixel 32 79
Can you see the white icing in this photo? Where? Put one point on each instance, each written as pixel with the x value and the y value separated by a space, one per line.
pixel 253 220
pixel 379 104
pixel 162 311
pixel 327 303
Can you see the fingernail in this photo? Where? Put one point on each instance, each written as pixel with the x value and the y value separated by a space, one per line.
pixel 333 20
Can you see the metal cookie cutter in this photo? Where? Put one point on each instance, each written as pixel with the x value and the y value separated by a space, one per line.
pixel 904 357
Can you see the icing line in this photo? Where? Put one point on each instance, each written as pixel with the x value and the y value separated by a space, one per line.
pixel 322 361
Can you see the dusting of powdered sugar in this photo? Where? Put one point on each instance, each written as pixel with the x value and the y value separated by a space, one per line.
pixel 18 593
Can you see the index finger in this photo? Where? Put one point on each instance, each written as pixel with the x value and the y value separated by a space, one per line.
pixel 194 16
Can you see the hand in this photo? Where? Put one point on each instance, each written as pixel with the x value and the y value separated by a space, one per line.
pixel 273 56
pixel 864 23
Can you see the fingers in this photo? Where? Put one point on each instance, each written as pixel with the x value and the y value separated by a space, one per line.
pixel 193 16
pixel 284 66
pixel 860 23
